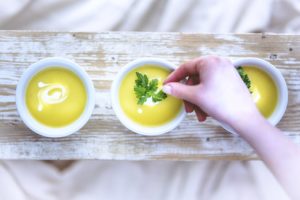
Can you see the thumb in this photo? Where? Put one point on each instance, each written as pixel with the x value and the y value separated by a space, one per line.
pixel 182 91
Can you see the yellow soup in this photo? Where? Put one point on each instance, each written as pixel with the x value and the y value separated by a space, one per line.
pixel 148 114
pixel 264 91
pixel 56 97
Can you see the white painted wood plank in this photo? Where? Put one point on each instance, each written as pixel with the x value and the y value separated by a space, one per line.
pixel 102 55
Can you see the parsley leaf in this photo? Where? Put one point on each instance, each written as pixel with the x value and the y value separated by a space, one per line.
pixel 145 89
pixel 159 96
pixel 244 77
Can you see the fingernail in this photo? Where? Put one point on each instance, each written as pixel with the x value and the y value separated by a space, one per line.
pixel 167 89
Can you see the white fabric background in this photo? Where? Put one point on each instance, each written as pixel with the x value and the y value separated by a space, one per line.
pixel 146 180
pixel 165 180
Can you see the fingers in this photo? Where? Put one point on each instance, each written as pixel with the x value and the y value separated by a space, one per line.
pixel 201 116
pixel 188 93
pixel 184 70
pixel 182 91
pixel 189 107
pixel 194 67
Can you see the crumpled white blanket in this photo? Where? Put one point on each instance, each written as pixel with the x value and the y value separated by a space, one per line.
pixel 165 180
pixel 144 180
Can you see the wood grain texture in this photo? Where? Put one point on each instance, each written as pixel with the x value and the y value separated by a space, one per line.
pixel 102 55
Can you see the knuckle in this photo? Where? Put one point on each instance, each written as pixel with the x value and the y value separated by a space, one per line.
pixel 213 60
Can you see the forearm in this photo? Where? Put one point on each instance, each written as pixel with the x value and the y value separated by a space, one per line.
pixel 279 153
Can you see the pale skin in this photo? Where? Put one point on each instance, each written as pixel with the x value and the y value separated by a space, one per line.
pixel 201 83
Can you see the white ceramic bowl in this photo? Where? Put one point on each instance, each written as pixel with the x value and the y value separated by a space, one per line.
pixel 279 81
pixel 126 121
pixel 38 127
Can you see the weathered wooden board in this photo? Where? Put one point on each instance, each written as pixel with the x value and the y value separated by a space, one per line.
pixel 102 55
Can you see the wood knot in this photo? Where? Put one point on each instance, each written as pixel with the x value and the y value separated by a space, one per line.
pixel 273 56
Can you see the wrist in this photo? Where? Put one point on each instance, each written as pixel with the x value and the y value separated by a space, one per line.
pixel 248 124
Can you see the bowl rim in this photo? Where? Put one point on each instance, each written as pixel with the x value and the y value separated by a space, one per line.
pixel 126 121
pixel 279 81
pixel 30 121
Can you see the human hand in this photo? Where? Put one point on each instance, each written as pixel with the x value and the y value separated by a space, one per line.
pixel 213 87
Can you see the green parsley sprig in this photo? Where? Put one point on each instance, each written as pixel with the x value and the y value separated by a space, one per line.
pixel 244 77
pixel 145 88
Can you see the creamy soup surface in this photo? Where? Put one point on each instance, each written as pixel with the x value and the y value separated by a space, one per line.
pixel 56 97
pixel 264 91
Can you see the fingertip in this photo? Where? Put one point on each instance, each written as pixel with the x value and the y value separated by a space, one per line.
pixel 188 107
pixel 201 116
pixel 167 89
